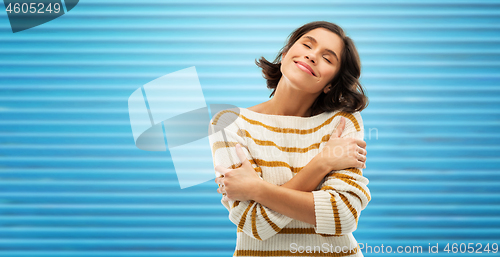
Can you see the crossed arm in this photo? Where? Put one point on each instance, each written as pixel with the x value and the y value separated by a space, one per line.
pixel 266 208
pixel 294 198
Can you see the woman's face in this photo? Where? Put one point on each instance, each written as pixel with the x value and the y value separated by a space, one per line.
pixel 313 60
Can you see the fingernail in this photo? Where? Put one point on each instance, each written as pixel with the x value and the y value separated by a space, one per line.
pixel 238 145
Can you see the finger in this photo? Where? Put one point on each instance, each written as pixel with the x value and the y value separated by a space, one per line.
pixel 360 165
pixel 361 143
pixel 361 158
pixel 219 181
pixel 339 128
pixel 241 154
pixel 222 170
pixel 221 190
pixel 362 151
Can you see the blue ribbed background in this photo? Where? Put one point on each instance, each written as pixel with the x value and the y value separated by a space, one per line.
pixel 72 182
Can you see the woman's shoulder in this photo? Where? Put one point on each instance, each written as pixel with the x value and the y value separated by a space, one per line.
pixel 353 119
pixel 226 117
pixel 257 108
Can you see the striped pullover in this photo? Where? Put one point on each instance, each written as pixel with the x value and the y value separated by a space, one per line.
pixel 278 147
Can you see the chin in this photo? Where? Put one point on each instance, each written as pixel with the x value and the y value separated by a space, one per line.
pixel 299 80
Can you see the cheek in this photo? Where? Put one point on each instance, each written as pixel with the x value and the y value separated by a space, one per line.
pixel 334 71
pixel 329 73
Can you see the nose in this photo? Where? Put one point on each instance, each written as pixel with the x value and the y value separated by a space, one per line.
pixel 310 58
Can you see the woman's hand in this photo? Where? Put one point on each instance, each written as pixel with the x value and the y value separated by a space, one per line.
pixel 341 153
pixel 238 184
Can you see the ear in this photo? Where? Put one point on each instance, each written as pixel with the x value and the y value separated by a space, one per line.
pixel 327 88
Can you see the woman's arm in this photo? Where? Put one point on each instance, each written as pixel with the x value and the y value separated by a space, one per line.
pixel 311 175
pixel 255 220
pixel 334 209
pixel 242 184
pixel 308 178
pixel 291 202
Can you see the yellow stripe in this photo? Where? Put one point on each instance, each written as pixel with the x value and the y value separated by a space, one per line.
pixel 261 162
pixel 352 118
pixel 298 231
pixel 222 144
pixel 244 216
pixel 353 194
pixel 236 203
pixel 290 130
pixel 349 180
pixel 338 228
pixel 235 166
pixel 340 176
pixel 257 169
pixel 352 209
pixel 258 162
pixel 245 133
pixel 254 223
pixel 264 163
pixel 352 184
pixel 354 170
pixel 216 118
pixel 271 223
pixel 308 231
pixel 289 253
pixel 304 131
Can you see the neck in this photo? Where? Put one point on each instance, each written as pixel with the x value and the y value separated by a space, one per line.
pixel 290 101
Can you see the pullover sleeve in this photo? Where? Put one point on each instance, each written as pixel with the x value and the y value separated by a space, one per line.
pixel 343 193
pixel 250 217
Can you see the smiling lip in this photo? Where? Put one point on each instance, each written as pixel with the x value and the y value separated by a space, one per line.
pixel 304 65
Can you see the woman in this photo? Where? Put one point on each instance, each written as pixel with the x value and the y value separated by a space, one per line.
pixel 289 169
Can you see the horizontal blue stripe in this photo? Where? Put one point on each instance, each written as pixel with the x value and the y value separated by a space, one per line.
pixel 73 183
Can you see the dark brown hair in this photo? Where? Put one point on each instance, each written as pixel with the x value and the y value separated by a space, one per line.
pixel 346 93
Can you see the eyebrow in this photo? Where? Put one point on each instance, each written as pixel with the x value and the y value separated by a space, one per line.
pixel 328 50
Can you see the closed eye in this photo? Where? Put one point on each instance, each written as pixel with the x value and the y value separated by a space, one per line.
pixel 310 48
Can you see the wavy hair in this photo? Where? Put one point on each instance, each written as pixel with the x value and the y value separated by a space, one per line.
pixel 346 93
